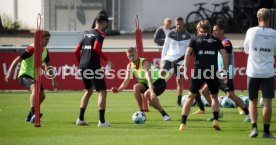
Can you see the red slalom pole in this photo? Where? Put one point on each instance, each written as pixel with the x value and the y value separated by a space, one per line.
pixel 140 50
pixel 37 64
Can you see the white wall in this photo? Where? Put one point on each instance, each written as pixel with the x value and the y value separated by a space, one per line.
pixel 6 8
pixel 26 13
pixel 152 12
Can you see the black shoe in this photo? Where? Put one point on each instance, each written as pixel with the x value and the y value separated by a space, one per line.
pixel 268 135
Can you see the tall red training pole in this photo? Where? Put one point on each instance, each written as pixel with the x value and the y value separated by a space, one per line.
pixel 140 50
pixel 37 64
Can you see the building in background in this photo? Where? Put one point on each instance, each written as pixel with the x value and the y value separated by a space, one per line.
pixel 78 15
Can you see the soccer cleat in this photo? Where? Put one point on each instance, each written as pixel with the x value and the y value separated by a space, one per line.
pixel 28 119
pixel 268 135
pixel 254 132
pixel 247 118
pixel 105 124
pixel 81 122
pixel 240 110
pixel 33 118
pixel 211 118
pixel 182 127
pixel 216 125
pixel 166 118
pixel 199 112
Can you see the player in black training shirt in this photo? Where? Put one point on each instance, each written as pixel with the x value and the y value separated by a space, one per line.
pixel 205 48
pixel 88 53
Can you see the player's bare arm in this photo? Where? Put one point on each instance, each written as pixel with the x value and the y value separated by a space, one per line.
pixel 124 83
pixel 12 67
pixel 146 66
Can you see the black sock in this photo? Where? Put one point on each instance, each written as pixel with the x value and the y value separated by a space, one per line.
pixel 184 118
pixel 254 125
pixel 216 114
pixel 163 113
pixel 266 128
pixel 82 111
pixel 199 102
pixel 101 116
pixel 179 99
pixel 245 110
pixel 32 111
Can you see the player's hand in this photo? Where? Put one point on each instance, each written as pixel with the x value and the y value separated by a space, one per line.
pixel 8 77
pixel 114 90
pixel 152 95
pixel 110 64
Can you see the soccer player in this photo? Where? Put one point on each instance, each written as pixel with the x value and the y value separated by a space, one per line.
pixel 260 45
pixel 173 54
pixel 205 48
pixel 149 82
pixel 88 53
pixel 228 88
pixel 26 73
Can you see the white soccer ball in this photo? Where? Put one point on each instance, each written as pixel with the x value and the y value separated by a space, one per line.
pixel 228 103
pixel 245 100
pixel 184 98
pixel 261 102
pixel 139 117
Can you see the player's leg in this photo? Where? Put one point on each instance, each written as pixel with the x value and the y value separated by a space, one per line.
pixel 194 87
pixel 199 102
pixel 206 93
pixel 28 82
pixel 229 89
pixel 100 87
pixel 253 85
pixel 88 84
pixel 139 89
pixel 179 89
pixel 159 87
pixel 268 94
pixel 179 83
pixel 213 85
pixel 238 101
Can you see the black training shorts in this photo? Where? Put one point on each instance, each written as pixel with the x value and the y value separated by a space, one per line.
pixel 159 86
pixel 265 84
pixel 93 78
pixel 26 81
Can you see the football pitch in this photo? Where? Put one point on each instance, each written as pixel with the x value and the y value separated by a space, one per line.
pixel 61 109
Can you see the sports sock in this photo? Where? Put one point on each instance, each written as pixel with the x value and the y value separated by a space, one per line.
pixel 245 110
pixel 266 128
pixel 179 99
pixel 32 111
pixel 254 125
pixel 82 111
pixel 163 113
pixel 101 116
pixel 199 102
pixel 216 114
pixel 184 118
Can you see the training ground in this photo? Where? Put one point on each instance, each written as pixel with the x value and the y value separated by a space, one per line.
pixel 60 111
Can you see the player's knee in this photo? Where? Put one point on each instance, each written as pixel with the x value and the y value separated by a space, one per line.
pixel 137 88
